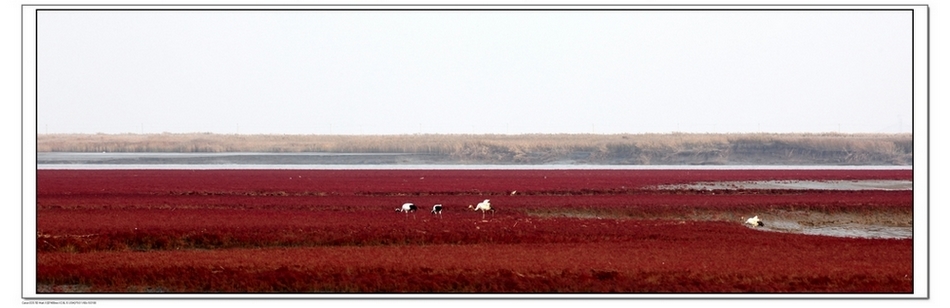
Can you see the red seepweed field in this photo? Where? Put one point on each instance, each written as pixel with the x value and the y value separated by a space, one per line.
pixel 554 231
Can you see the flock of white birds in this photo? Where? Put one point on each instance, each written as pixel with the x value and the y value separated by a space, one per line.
pixel 485 206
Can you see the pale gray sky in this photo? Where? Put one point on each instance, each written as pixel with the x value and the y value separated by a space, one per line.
pixel 393 72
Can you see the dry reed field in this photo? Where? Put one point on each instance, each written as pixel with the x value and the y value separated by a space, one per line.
pixel 640 149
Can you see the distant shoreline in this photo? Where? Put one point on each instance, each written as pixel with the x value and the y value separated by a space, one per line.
pixel 537 149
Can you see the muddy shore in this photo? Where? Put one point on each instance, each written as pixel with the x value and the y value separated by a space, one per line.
pixel 884 225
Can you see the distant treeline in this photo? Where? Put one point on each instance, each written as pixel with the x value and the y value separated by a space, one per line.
pixel 627 149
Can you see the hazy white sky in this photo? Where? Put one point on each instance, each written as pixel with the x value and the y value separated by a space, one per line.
pixel 392 72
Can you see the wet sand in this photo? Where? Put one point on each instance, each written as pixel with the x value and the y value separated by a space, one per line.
pixel 839 225
pixel 842 225
pixel 823 185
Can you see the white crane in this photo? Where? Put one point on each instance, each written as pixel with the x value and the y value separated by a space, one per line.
pixel 437 209
pixel 407 208
pixel 755 222
pixel 483 206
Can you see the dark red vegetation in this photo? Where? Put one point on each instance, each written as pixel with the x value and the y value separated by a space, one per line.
pixel 574 231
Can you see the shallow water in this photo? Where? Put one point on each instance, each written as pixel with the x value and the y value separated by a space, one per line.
pixel 436 167
pixel 347 161
pixel 792 226
pixel 845 230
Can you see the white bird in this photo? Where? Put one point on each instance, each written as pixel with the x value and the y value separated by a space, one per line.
pixel 483 206
pixel 407 208
pixel 755 222
pixel 437 209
